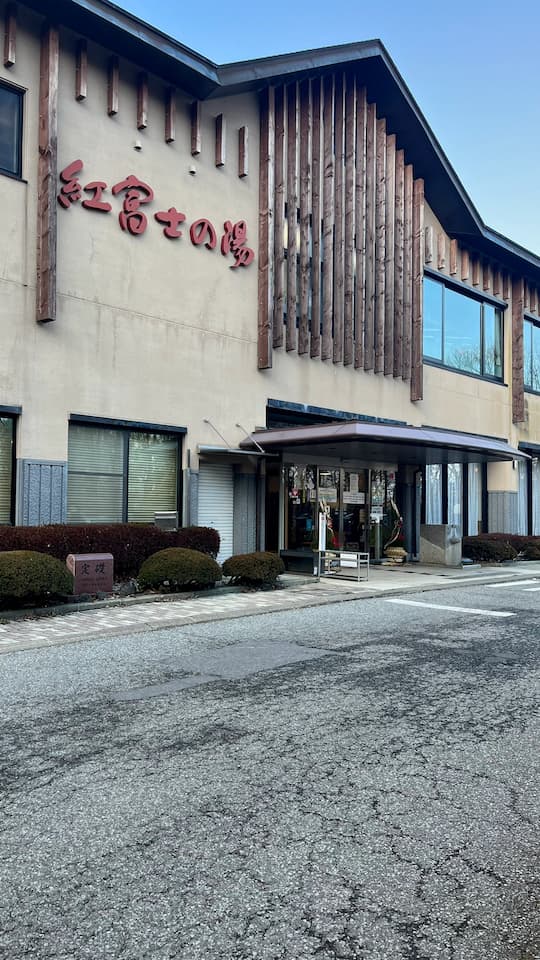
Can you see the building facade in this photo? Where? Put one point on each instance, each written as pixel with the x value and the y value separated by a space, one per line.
pixel 247 294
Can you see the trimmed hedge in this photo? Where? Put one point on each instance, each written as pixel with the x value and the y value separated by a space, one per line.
pixel 129 543
pixel 27 576
pixel 489 550
pixel 172 569
pixel 254 569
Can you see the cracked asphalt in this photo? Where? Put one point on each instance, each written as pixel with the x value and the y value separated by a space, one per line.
pixel 358 780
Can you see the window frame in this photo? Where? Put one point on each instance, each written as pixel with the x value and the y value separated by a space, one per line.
pixel 19 92
pixel 454 285
pixel 7 413
pixel 126 427
pixel 534 323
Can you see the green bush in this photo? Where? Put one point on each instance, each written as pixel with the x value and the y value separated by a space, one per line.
pixel 27 576
pixel 175 568
pixel 254 569
pixel 487 550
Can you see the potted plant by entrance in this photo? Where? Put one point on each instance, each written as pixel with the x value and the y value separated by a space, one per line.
pixel 394 548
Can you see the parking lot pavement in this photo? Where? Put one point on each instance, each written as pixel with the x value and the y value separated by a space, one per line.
pixel 300 592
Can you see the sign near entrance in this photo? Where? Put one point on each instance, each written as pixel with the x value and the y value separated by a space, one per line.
pixel 358 497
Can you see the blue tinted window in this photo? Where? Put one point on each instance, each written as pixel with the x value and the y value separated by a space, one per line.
pixel 10 130
pixel 461 331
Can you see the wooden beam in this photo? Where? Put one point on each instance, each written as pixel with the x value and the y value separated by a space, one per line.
pixel 305 191
pixel 243 152
pixel 465 265
pixel 518 394
pixel 407 273
pixel 10 35
pixel 533 301
pixel 441 250
pixel 315 339
pixel 380 247
pixel 390 253
pixel 497 282
pixel 417 386
pixel 113 80
pixel 328 216
pixel 81 71
pixel 525 296
pixel 170 115
pixel 47 173
pixel 369 327
pixel 399 263
pixel 360 222
pixel 348 289
pixel 506 286
pixel 279 217
pixel 453 257
pixel 142 101
pixel 266 239
pixel 292 217
pixel 475 272
pixel 339 160
pixel 429 245
pixel 486 275
pixel 195 117
pixel 221 137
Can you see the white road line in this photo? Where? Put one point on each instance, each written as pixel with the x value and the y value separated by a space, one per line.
pixel 440 606
pixel 531 589
pixel 513 583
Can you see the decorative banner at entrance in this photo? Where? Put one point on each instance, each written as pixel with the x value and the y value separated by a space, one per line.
pixel 322 531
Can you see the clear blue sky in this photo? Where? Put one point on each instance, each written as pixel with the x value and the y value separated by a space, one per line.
pixel 473 68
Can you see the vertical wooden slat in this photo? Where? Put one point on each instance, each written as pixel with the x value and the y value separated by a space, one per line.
pixel 369 331
pixel 533 302
pixel 339 154
pixel 390 216
pixel 475 272
pixel 398 274
pixel 465 265
pixel 47 172
pixel 195 116
pixel 10 35
pixel 348 289
pixel 170 115
pixel 81 71
pixel 486 275
pixel 429 245
pixel 525 296
pixel 497 282
pixel 407 273
pixel 279 217
pixel 417 386
pixel 506 286
pixel 113 80
pixel 292 222
pixel 328 215
pixel 380 248
pixel 453 257
pixel 441 250
pixel 315 342
pixel 220 140
pixel 360 228
pixel 142 101
pixel 305 188
pixel 518 395
pixel 266 198
pixel 243 152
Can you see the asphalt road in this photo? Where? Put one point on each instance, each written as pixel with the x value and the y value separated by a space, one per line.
pixel 358 780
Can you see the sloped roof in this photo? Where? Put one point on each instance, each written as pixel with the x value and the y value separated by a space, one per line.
pixel 114 28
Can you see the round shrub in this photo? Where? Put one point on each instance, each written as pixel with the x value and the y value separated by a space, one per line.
pixel 175 568
pixel 488 551
pixel 254 569
pixel 27 576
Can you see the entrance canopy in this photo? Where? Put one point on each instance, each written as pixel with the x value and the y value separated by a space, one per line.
pixel 380 443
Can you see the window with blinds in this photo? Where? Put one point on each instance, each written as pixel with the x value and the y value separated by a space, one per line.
pixel 6 468
pixel 120 475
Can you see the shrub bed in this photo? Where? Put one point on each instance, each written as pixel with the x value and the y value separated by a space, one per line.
pixel 27 576
pixel 489 550
pixel 175 568
pixel 254 569
pixel 129 543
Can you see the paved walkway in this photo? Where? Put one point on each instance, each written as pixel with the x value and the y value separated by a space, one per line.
pixel 132 617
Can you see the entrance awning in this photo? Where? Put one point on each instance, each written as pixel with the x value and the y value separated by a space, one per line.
pixel 378 443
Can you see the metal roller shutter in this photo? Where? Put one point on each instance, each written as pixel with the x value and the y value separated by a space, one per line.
pixel 216 503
